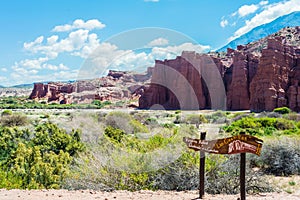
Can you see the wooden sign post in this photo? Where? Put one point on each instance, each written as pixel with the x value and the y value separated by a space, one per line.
pixel 241 144
pixel 202 169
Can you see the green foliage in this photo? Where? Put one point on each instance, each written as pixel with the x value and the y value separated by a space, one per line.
pixel 125 122
pixel 13 120
pixel 138 127
pixel 282 110
pixel 196 119
pixel 24 103
pixel 6 113
pixel 151 122
pixel 39 159
pixel 114 133
pixel 119 120
pixel 261 126
pixel 217 117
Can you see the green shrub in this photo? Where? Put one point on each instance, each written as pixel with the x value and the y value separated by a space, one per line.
pixel 39 159
pixel 6 112
pixel 217 117
pixel 261 126
pixel 119 120
pixel 282 110
pixel 284 124
pixel 151 122
pixel 14 120
pixel 196 119
pixel 138 127
pixel 114 133
pixel 279 157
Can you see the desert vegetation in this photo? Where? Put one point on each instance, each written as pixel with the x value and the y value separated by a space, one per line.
pixel 135 150
pixel 25 103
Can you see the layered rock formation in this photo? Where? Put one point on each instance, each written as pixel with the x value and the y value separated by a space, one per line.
pixel 116 85
pixel 277 80
pixel 258 76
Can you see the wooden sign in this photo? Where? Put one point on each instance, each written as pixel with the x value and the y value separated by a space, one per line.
pixel 231 145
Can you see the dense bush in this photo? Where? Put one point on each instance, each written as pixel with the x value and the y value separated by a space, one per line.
pixel 217 117
pixel 125 122
pixel 25 103
pixel 261 126
pixel 281 157
pixel 13 120
pixel 196 119
pixel 6 113
pixel 282 110
pixel 38 159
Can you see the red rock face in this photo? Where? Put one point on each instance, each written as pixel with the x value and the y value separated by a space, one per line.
pixel 115 86
pixel 276 81
pixel 171 83
pixel 234 71
pixel 255 80
pixel 51 91
pixel 244 67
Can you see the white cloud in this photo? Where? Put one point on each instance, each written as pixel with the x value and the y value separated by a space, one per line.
pixel 79 43
pixel 247 9
pixel 224 23
pixel 269 13
pixel 109 56
pixel 79 24
pixel 262 3
pixel 183 47
pixel 52 40
pixel 31 63
pixel 158 42
pixel 55 67
pixel 4 69
pixel 36 42
pixel 151 0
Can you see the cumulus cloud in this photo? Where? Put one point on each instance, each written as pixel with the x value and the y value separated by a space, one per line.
pixel 224 23
pixel 247 9
pixel 31 63
pixel 262 3
pixel 268 14
pixel 78 43
pixel 79 24
pixel 4 69
pixel 109 56
pixel 158 42
pixel 55 67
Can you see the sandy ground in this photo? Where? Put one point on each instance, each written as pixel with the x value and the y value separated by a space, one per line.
pixel 140 195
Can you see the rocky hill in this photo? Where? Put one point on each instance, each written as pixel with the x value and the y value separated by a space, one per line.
pixel 259 76
pixel 291 20
pixel 115 86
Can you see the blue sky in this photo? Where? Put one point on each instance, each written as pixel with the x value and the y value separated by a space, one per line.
pixel 53 40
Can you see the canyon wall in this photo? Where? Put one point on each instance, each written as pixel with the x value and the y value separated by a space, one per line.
pixel 259 80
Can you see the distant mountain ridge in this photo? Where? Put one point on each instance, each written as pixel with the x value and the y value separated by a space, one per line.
pixel 292 19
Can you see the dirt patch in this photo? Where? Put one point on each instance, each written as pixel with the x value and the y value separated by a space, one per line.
pixel 144 195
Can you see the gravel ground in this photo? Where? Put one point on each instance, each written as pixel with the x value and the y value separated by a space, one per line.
pixel 144 195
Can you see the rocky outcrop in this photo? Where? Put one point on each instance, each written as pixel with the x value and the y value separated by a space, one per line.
pixel 244 66
pixel 117 85
pixel 169 86
pixel 236 70
pixel 52 91
pixel 259 76
pixel 276 82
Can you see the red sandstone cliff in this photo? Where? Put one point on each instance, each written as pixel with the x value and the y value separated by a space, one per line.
pixel 116 85
pixel 258 76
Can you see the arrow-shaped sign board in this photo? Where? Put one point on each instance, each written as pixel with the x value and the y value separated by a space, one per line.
pixel 230 145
